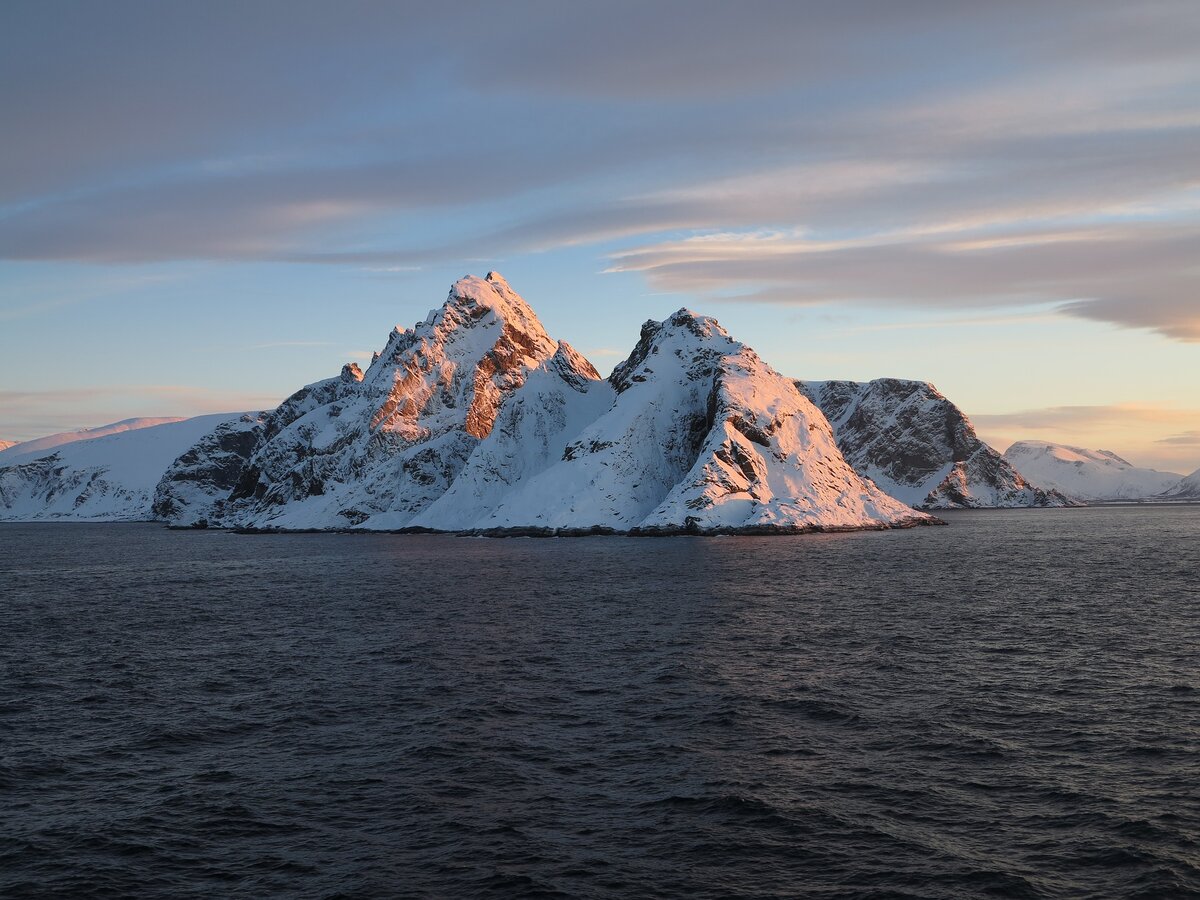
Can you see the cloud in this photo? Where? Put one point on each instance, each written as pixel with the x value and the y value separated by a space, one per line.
pixel 939 155
pixel 1138 275
pixel 1185 439
pixel 697 48
pixel 250 216
pixel 1074 418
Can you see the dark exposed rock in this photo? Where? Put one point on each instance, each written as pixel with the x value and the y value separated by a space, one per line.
pixel 920 447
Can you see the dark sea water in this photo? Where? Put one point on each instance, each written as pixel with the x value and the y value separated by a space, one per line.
pixel 1007 707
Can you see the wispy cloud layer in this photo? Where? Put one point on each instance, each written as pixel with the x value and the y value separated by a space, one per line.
pixel 1184 439
pixel 930 154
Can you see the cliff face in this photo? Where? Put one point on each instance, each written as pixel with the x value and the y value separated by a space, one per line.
pixel 199 481
pixel 919 447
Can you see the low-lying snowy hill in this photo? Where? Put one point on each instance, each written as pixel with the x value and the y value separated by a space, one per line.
pixel 1088 475
pixel 476 419
pixel 105 478
pixel 10 450
pixel 921 448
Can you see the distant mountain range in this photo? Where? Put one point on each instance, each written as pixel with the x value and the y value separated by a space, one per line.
pixel 476 420
pixel 1089 475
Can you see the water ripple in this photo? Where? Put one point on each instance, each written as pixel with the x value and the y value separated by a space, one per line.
pixel 1009 707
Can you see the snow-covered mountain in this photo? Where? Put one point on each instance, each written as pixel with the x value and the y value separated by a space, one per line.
pixel 107 478
pixel 477 419
pixel 1088 475
pixel 388 442
pixel 921 448
pixel 10 450
pixel 1187 489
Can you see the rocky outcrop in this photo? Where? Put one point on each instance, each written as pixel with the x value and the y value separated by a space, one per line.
pixel 196 485
pixel 919 447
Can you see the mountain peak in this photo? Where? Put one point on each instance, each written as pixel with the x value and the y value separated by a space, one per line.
pixel 699 325
pixel 491 292
pixel 1187 489
pixel 683 334
pixel 467 355
pixel 573 366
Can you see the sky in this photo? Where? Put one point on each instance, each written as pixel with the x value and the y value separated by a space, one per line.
pixel 204 207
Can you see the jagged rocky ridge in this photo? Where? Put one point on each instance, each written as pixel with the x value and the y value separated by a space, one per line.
pixel 921 448
pixel 1089 475
pixel 477 420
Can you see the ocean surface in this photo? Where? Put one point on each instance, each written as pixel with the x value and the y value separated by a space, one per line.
pixel 1007 707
